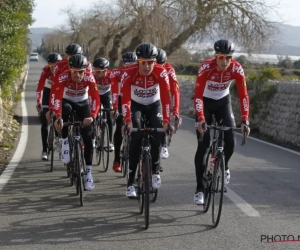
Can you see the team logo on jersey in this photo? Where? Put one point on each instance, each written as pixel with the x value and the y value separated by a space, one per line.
pixel 244 83
pixel 202 68
pixel 239 70
pixel 213 77
pixel 96 88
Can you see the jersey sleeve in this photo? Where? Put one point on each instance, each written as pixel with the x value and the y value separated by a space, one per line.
pixel 114 88
pixel 241 85
pixel 126 96
pixel 164 88
pixel 41 84
pixel 174 88
pixel 94 98
pixel 198 93
pixel 56 99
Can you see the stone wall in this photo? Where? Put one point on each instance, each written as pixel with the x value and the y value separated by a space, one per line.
pixel 279 118
pixel 6 105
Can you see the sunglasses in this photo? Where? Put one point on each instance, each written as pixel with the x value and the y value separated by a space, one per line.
pixel 51 65
pixel 221 57
pixel 80 71
pixel 149 62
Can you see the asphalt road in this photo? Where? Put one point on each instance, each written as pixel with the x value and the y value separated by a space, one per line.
pixel 39 210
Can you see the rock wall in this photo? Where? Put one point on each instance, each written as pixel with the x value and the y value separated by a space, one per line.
pixel 279 119
pixel 6 105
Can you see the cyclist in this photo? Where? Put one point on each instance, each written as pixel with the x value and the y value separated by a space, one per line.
pixel 174 91
pixel 72 93
pixel 103 81
pixel 212 96
pixel 128 58
pixel 63 65
pixel 144 90
pixel 42 98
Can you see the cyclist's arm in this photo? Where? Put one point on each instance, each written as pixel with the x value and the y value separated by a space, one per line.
pixel 56 100
pixel 114 89
pixel 164 88
pixel 94 99
pixel 41 85
pixel 126 96
pixel 243 94
pixel 174 88
pixel 198 94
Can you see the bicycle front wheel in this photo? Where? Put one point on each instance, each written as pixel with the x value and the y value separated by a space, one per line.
pixel 98 145
pixel 80 171
pixel 207 184
pixel 147 175
pixel 50 146
pixel 105 147
pixel 218 190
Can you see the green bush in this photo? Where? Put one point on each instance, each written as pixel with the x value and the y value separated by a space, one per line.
pixel 15 16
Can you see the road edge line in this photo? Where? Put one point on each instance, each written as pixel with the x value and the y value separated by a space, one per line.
pixel 14 162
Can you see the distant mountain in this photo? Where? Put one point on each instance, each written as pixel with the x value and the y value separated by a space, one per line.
pixel 36 35
pixel 285 42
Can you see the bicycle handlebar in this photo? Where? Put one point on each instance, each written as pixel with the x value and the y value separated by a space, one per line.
pixel 224 128
pixel 148 129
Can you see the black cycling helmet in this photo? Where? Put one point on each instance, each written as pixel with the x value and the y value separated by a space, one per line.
pixel 73 49
pixel 223 47
pixel 101 63
pixel 146 50
pixel 161 57
pixel 54 58
pixel 129 57
pixel 78 61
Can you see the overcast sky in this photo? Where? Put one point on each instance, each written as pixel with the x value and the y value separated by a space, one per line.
pixel 47 12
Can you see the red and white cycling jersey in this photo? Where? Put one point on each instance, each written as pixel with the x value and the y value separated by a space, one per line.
pixel 104 83
pixel 213 83
pixel 145 89
pixel 75 92
pixel 45 81
pixel 115 77
pixel 174 88
pixel 61 67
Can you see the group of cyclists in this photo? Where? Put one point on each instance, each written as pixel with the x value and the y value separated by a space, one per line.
pixel 144 86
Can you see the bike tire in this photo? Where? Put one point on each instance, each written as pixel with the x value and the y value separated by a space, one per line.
pixel 50 146
pixel 98 146
pixel 147 175
pixel 218 188
pixel 139 188
pixel 154 193
pixel 206 185
pixel 105 147
pixel 71 164
pixel 80 172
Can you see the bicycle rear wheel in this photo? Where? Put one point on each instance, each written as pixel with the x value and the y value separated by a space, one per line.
pixel 105 147
pixel 218 190
pixel 50 146
pixel 147 175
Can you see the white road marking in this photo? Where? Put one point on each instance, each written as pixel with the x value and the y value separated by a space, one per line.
pixel 7 173
pixel 241 204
